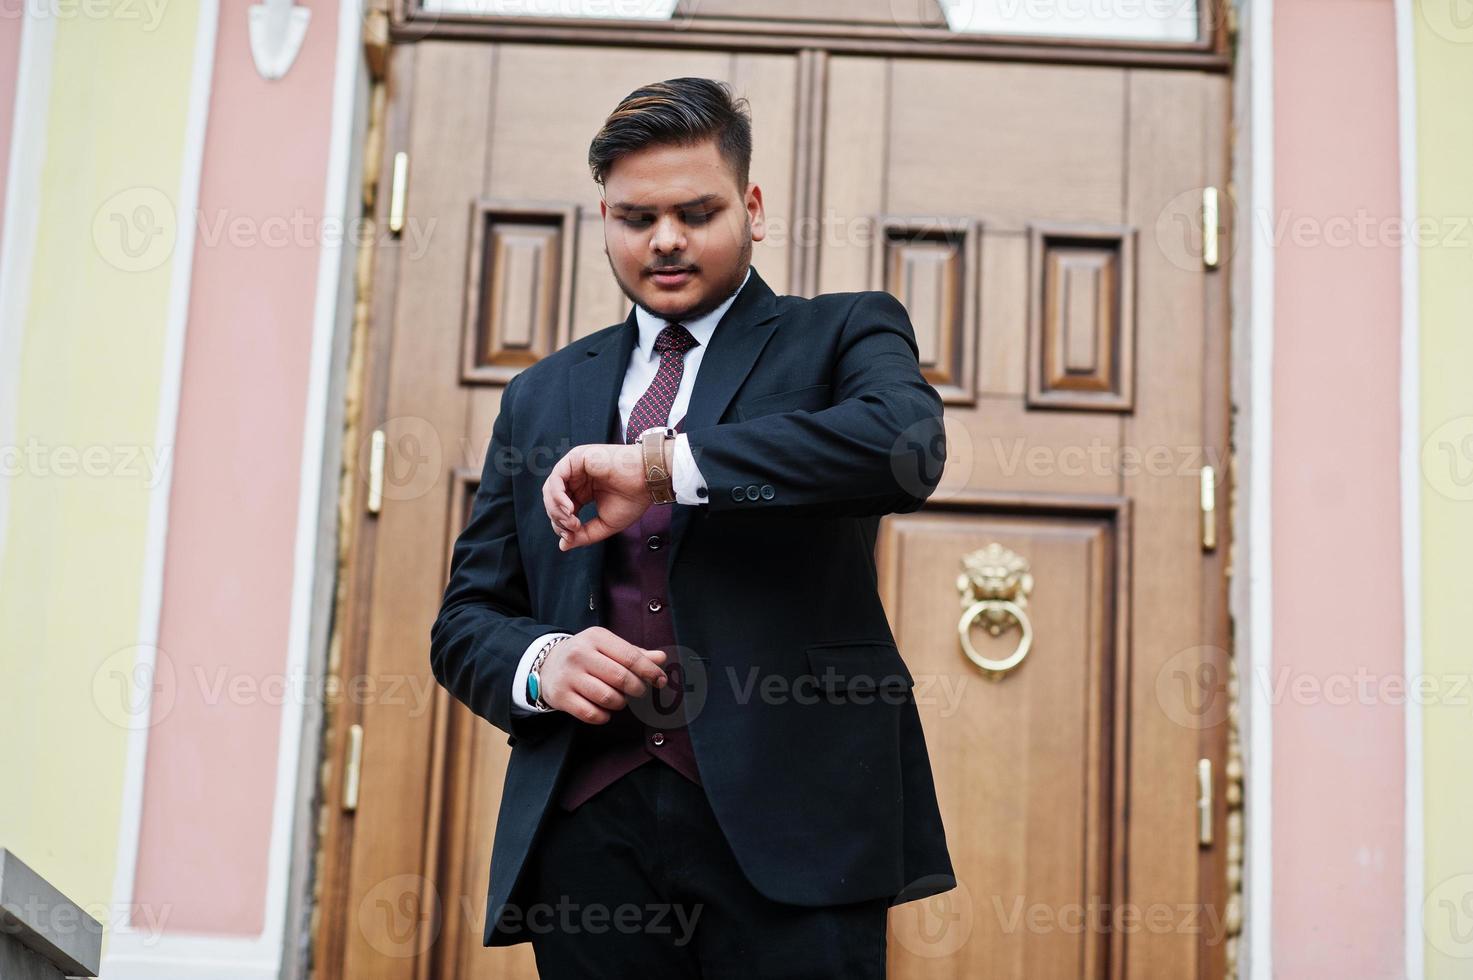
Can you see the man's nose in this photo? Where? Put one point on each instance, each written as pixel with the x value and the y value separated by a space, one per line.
pixel 668 236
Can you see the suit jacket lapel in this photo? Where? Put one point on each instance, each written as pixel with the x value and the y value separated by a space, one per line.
pixel 594 384
pixel 738 339
pixel 735 344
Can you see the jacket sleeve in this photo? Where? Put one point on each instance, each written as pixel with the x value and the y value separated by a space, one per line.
pixel 879 449
pixel 485 623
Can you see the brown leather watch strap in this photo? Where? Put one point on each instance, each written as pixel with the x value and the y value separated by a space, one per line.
pixel 656 445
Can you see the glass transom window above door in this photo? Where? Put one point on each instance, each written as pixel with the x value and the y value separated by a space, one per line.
pixel 1113 20
pixel 1160 21
pixel 591 9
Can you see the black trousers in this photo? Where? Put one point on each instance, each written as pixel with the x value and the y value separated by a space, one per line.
pixel 640 882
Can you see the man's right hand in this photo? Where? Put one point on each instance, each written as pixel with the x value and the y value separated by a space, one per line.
pixel 592 674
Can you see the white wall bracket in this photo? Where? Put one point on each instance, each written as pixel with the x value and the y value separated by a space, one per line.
pixel 277 29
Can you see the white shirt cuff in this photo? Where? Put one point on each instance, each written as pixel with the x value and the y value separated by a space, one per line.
pixel 519 703
pixel 690 486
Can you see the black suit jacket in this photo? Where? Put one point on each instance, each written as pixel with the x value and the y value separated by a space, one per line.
pixel 809 419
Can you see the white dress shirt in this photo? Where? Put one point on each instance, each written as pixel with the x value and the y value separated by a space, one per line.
pixel 690 487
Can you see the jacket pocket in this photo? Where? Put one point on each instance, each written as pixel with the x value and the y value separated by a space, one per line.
pixel 858 665
pixel 809 399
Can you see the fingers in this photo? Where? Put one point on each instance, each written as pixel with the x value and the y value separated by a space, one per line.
pixel 591 533
pixel 595 674
pixel 617 676
pixel 555 497
pixel 552 486
pixel 581 708
pixel 597 693
pixel 581 476
pixel 644 664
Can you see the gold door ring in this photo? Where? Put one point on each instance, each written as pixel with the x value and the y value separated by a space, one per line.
pixel 995 609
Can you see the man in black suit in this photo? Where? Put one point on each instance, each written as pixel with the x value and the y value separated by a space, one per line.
pixel 718 768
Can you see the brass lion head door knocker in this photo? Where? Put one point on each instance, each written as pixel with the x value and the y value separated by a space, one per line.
pixel 994 591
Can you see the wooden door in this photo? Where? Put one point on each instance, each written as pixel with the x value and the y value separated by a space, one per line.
pixel 1032 222
pixel 1018 211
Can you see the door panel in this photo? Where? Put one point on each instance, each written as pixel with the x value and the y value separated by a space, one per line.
pixel 1088 398
pixel 1025 765
pixel 1014 143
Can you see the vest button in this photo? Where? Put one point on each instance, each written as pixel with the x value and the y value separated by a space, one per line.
pixel 654 542
pixel 656 605
pixel 658 738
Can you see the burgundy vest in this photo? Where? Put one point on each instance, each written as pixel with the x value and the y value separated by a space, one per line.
pixel 636 607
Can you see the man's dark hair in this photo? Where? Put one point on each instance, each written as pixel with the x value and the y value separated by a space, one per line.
pixel 677 112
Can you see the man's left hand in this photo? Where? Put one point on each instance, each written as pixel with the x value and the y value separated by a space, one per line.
pixel 610 475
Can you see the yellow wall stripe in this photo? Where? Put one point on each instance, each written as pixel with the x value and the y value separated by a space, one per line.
pixel 1444 77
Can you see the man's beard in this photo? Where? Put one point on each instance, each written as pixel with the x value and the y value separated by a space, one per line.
pixel 717 297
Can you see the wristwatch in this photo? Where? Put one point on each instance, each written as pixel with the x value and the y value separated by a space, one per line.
pixel 534 675
pixel 657 446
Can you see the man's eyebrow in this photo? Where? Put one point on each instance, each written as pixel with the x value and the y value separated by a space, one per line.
pixel 703 199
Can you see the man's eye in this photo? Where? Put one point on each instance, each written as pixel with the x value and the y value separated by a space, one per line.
pixel 697 217
pixel 635 220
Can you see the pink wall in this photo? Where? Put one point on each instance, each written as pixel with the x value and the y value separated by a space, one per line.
pixel 211 777
pixel 1338 838
pixel 10 30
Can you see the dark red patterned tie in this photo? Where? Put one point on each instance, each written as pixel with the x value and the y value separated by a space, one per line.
pixel 653 407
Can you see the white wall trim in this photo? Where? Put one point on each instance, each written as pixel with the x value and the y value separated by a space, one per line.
pixel 136 955
pixel 1257 956
pixel 22 214
pixel 1411 483
pixel 123 939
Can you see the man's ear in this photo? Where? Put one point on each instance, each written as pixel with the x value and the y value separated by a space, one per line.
pixel 756 213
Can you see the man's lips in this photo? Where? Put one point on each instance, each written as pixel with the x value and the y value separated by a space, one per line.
pixel 671 277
